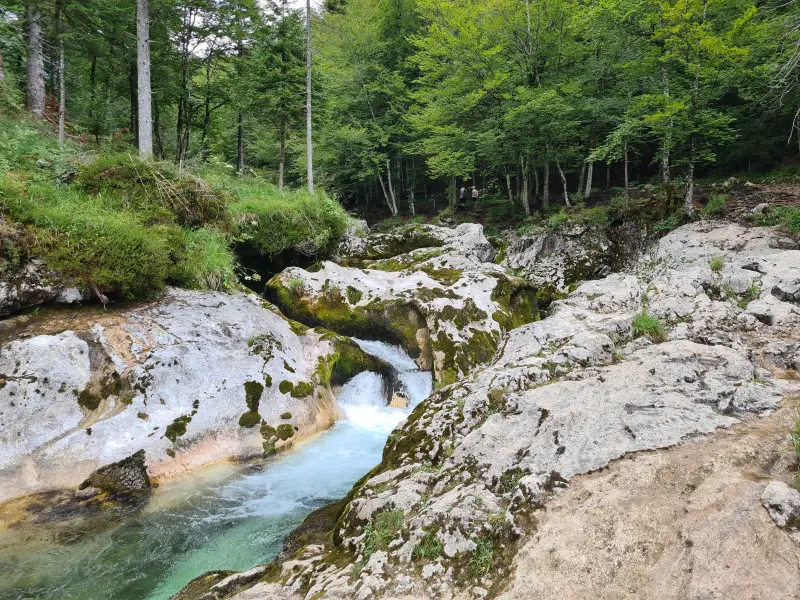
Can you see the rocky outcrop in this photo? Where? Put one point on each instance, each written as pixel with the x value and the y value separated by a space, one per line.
pixel 783 505
pixel 648 359
pixel 431 289
pixel 33 284
pixel 557 260
pixel 122 477
pixel 191 379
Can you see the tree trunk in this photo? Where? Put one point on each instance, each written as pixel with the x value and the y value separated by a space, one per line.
pixel 35 61
pixel 411 180
pixel 563 183
pixel 589 174
pixel 282 163
pixel 508 185
pixel 386 195
pixel 240 143
pixel 535 182
pixel 144 95
pixel 546 186
pixel 665 148
pixel 2 70
pixel 453 194
pixel 582 178
pixel 62 88
pixel 688 202
pixel 309 133
pixel 608 176
pixel 134 120
pixel 525 195
pixel 393 205
pixel 627 196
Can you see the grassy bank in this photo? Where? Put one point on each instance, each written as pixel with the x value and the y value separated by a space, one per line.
pixel 110 221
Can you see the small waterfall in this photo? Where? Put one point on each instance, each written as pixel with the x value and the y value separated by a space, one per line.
pixel 363 398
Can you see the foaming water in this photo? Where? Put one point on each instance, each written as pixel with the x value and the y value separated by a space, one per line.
pixel 231 516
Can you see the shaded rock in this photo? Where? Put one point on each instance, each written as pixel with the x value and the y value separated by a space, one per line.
pixel 34 284
pixel 127 475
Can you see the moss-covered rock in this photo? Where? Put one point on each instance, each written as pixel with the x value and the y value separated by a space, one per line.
pixel 302 390
pixel 126 476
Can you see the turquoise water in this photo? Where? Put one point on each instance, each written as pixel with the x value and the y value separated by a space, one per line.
pixel 231 516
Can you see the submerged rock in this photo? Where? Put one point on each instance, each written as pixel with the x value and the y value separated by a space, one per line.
pixel 125 476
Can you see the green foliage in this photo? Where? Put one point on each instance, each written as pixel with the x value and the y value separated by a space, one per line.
pixel 715 206
pixel 286 387
pixel 382 530
pixel 284 431
pixel 253 391
pixel 716 264
pixel 428 548
pixel 786 217
pixel 158 190
pixel 667 224
pixel 482 559
pixel 302 390
pixel 271 221
pixel 557 221
pixel 250 419
pixel 650 326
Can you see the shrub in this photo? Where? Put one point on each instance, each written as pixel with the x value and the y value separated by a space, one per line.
pixel 650 326
pixel 783 216
pixel 249 419
pixel 209 262
pixel 381 531
pixel 156 189
pixel 715 205
pixel 89 242
pixel 668 224
pixel 717 263
pixel 285 431
pixel 596 218
pixel 271 221
pixel 557 221
pixel 428 548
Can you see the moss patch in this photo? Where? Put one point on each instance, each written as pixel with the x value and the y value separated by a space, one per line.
pixel 253 391
pixel 249 419
pixel 286 387
pixel 177 428
pixel 285 431
pixel 302 390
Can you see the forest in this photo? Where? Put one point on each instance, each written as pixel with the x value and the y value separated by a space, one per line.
pixel 542 102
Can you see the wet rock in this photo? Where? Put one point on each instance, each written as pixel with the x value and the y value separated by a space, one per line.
pixel 125 476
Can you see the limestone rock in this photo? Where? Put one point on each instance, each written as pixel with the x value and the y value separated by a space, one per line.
pixel 32 284
pixel 444 302
pixel 783 505
pixel 190 379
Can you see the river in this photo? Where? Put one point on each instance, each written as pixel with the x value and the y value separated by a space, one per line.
pixel 228 516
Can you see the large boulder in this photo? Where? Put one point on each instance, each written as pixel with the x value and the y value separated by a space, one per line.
pixel 459 482
pixel 191 379
pixel 433 290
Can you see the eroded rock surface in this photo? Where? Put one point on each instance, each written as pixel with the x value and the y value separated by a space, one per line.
pixel 462 482
pixel 191 379
pixel 436 291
